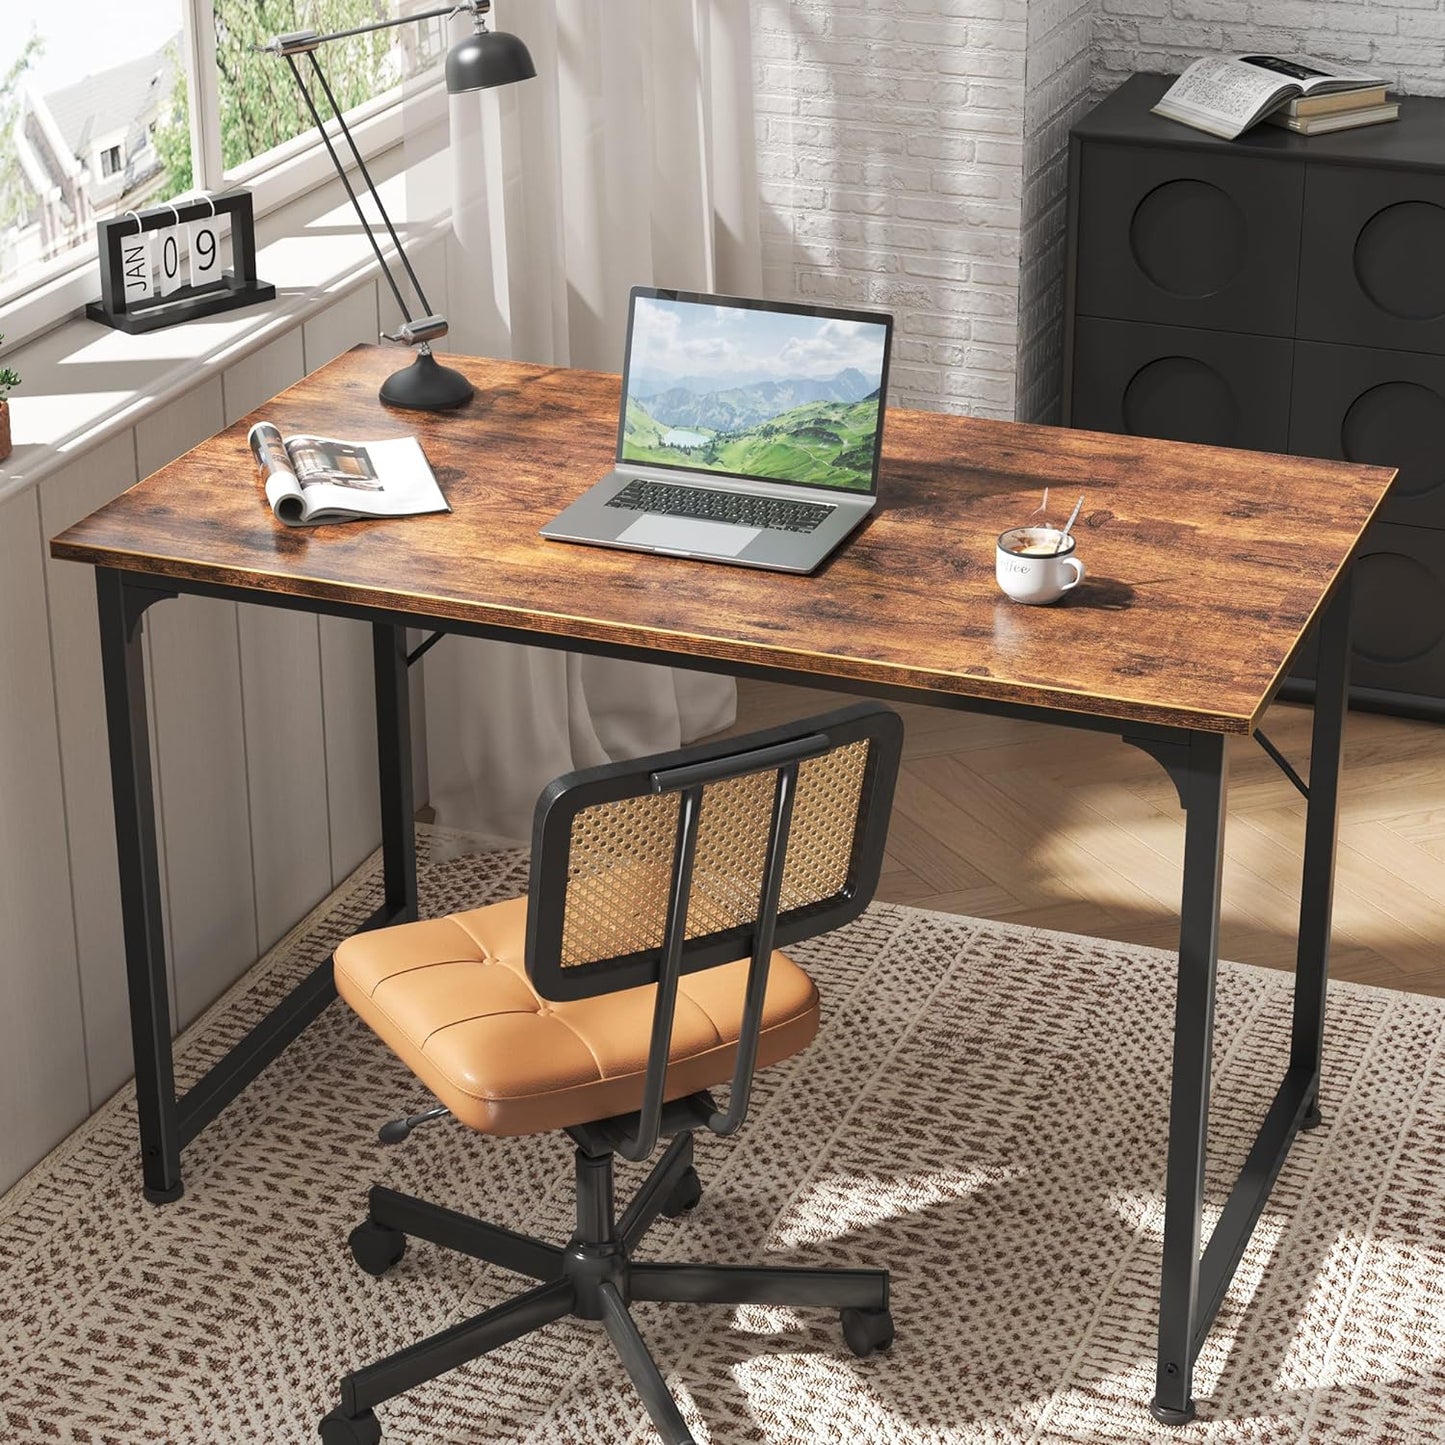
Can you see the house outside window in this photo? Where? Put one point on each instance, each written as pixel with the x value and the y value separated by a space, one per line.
pixel 110 161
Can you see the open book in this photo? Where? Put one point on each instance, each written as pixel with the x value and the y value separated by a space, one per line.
pixel 1226 94
pixel 316 479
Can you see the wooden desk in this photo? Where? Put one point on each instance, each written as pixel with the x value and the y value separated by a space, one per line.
pixel 1206 568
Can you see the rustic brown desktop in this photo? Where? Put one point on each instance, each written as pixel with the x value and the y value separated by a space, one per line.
pixel 1206 568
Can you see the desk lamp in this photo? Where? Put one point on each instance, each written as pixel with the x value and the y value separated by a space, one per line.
pixel 483 59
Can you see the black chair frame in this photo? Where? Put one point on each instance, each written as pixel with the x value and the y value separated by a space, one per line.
pixel 595 1276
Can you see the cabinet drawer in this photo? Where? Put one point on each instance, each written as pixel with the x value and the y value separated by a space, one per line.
pixel 1398 631
pixel 1189 239
pixel 1371 272
pixel 1385 407
pixel 1181 384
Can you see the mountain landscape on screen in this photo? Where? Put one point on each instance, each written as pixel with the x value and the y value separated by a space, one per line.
pixel 793 417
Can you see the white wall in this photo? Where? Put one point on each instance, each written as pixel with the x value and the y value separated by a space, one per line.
pixel 890 165
pixel 1057 95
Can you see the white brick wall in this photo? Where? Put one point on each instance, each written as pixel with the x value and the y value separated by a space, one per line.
pixel 1403 40
pixel 912 156
pixel 1057 94
pixel 890 165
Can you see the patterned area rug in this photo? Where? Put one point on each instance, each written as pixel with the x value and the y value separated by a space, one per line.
pixel 983 1112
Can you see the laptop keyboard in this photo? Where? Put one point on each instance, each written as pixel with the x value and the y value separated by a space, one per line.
pixel 743 508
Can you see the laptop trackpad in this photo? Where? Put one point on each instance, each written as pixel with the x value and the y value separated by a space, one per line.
pixel 689 534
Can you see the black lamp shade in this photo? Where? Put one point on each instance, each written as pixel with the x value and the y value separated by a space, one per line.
pixel 485 59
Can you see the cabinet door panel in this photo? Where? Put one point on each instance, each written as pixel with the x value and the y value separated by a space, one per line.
pixel 1189 239
pixel 1370 260
pixel 1181 384
pixel 1398 633
pixel 1383 407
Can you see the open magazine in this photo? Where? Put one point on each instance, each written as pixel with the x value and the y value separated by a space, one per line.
pixel 1226 94
pixel 317 479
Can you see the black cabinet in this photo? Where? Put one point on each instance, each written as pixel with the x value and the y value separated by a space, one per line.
pixel 1278 293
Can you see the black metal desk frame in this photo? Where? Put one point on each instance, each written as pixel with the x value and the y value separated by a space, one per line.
pixel 1192 1285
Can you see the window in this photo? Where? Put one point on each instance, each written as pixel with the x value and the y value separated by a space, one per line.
pixel 97 100
pixel 80 86
pixel 260 107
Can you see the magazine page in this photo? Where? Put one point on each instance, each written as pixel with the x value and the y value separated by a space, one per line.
pixel 1226 94
pixel 283 489
pixel 388 478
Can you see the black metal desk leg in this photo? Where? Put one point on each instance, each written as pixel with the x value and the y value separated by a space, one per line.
pixel 393 761
pixel 1321 824
pixel 1201 777
pixel 121 606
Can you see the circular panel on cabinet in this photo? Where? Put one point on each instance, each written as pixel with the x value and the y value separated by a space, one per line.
pixel 1397 260
pixel 1180 399
pixel 1398 424
pixel 1189 238
pixel 1399 611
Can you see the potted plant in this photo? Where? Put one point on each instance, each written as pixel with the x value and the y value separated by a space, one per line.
pixel 7 379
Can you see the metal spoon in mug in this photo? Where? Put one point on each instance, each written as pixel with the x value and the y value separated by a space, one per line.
pixel 1042 507
pixel 1068 526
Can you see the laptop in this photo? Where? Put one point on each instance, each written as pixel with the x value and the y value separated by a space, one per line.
pixel 750 432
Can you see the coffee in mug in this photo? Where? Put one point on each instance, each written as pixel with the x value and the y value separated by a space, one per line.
pixel 1037 565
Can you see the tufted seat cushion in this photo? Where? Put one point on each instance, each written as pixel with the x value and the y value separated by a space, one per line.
pixel 451 998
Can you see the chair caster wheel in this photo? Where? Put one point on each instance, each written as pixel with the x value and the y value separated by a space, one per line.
pixel 339 1429
pixel 375 1247
pixel 867 1331
pixel 685 1194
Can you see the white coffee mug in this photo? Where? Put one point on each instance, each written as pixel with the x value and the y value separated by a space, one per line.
pixel 1037 564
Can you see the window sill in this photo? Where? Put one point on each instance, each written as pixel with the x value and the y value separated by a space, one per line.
pixel 83 382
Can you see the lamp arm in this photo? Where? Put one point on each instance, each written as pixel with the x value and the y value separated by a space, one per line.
pixel 350 191
pixel 297 41
pixel 371 187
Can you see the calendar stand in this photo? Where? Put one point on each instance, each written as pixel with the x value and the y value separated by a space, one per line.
pixel 237 287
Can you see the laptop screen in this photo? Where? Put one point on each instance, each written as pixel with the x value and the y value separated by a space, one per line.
pixel 757 389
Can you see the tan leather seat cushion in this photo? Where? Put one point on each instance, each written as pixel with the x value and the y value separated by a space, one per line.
pixel 452 999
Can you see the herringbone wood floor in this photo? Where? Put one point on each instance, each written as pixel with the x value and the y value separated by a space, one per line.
pixel 1076 831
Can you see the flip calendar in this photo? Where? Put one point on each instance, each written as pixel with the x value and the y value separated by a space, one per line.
pixel 167 264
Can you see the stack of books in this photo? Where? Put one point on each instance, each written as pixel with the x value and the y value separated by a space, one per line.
pixel 1340 110
pixel 1226 94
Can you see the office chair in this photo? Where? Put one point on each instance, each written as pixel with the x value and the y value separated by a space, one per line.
pixel 638 973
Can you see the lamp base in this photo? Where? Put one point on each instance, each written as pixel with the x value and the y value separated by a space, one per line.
pixel 426 385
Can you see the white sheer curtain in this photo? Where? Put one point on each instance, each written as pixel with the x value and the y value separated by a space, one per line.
pixel 627 161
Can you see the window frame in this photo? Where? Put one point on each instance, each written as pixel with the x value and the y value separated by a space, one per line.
pixel 283 174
